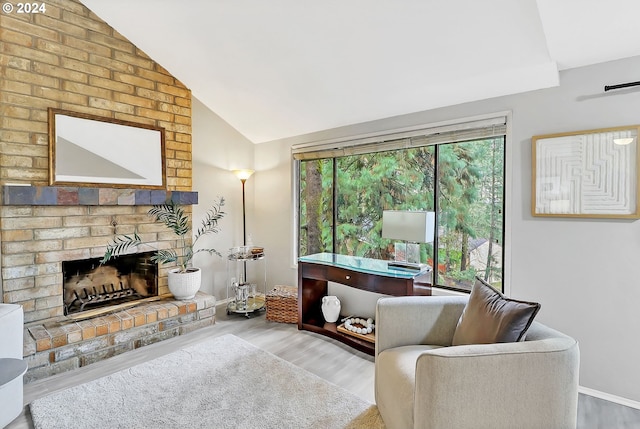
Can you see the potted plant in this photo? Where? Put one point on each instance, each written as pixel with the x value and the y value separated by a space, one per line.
pixel 184 281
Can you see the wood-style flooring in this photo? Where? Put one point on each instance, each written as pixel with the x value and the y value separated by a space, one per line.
pixel 322 356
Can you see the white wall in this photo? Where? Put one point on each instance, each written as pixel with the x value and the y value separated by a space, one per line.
pixel 584 272
pixel 217 149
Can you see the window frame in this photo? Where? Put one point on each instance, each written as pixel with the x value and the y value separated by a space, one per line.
pixel 342 146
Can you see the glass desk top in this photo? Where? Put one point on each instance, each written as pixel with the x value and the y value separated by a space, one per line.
pixel 363 265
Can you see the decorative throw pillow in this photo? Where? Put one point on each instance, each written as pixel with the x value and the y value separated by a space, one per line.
pixel 490 317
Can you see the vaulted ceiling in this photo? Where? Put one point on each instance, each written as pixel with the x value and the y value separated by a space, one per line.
pixel 279 68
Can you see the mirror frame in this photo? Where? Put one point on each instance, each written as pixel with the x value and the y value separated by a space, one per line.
pixel 153 176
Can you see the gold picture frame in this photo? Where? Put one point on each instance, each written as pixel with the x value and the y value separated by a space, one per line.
pixel 586 174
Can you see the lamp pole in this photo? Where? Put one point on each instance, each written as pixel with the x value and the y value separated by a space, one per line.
pixel 243 175
pixel 244 216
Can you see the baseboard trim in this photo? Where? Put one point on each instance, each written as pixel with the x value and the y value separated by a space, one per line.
pixel 224 302
pixel 609 397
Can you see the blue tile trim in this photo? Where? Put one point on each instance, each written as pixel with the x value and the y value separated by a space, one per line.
pixel 14 195
pixel 143 197
pixel 159 197
pixel 127 198
pixel 46 196
pixel 18 194
pixel 88 196
pixel 188 198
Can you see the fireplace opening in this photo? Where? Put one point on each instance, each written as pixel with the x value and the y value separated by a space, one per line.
pixel 89 285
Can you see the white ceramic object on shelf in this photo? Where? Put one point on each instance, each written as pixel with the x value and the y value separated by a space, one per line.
pixel 331 308
pixel 185 285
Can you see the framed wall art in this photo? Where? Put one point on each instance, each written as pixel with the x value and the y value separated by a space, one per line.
pixel 87 150
pixel 590 174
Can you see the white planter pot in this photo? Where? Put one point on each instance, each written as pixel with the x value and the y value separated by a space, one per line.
pixel 184 285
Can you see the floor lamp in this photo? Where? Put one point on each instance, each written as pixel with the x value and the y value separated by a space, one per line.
pixel 243 175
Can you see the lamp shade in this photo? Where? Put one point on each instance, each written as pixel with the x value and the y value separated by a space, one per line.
pixel 243 174
pixel 408 225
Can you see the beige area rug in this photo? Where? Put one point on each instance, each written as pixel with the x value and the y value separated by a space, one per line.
pixel 224 382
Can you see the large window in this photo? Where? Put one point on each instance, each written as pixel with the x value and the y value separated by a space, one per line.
pixel 458 174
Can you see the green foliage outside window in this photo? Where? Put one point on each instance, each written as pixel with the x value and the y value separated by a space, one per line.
pixel 467 197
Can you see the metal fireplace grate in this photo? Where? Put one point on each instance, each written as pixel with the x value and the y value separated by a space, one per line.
pixel 89 285
pixel 95 296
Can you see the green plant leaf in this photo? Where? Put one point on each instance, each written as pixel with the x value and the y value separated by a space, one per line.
pixel 210 222
pixel 172 216
pixel 120 245
pixel 209 251
pixel 165 256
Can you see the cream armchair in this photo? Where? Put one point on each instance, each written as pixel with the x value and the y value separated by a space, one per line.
pixel 421 381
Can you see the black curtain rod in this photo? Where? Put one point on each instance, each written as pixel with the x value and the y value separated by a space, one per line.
pixel 621 85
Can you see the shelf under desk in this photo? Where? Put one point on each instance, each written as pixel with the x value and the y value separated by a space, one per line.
pixel 373 275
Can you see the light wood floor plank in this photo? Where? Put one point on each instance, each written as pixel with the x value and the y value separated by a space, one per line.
pixel 322 356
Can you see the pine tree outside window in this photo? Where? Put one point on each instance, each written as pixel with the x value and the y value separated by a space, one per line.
pixel 458 173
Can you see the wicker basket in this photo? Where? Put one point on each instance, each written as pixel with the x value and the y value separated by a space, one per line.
pixel 282 304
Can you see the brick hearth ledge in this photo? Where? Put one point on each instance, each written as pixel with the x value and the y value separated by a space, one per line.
pixel 58 346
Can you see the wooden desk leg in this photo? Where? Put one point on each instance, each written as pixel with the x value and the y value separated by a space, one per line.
pixel 310 294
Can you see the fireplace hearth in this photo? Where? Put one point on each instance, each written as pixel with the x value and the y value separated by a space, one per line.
pixel 88 285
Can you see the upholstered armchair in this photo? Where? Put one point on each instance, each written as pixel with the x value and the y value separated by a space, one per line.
pixel 421 381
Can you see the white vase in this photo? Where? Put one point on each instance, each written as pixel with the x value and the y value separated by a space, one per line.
pixel 331 308
pixel 185 285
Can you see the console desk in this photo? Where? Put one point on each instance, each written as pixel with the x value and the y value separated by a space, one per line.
pixel 314 271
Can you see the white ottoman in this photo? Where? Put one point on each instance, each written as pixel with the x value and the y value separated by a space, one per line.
pixel 12 367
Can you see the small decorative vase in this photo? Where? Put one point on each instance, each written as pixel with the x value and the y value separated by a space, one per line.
pixel 331 308
pixel 184 285
pixel 242 293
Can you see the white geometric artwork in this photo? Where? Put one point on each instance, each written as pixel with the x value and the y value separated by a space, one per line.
pixel 592 174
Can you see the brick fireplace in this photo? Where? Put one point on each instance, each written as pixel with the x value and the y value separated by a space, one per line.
pixel 44 228
pixel 68 58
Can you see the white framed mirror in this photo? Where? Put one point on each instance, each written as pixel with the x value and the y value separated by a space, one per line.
pixel 88 150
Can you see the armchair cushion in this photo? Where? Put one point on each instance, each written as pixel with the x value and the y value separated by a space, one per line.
pixel 490 317
pixel 398 379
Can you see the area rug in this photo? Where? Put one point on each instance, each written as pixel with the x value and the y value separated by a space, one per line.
pixel 222 383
